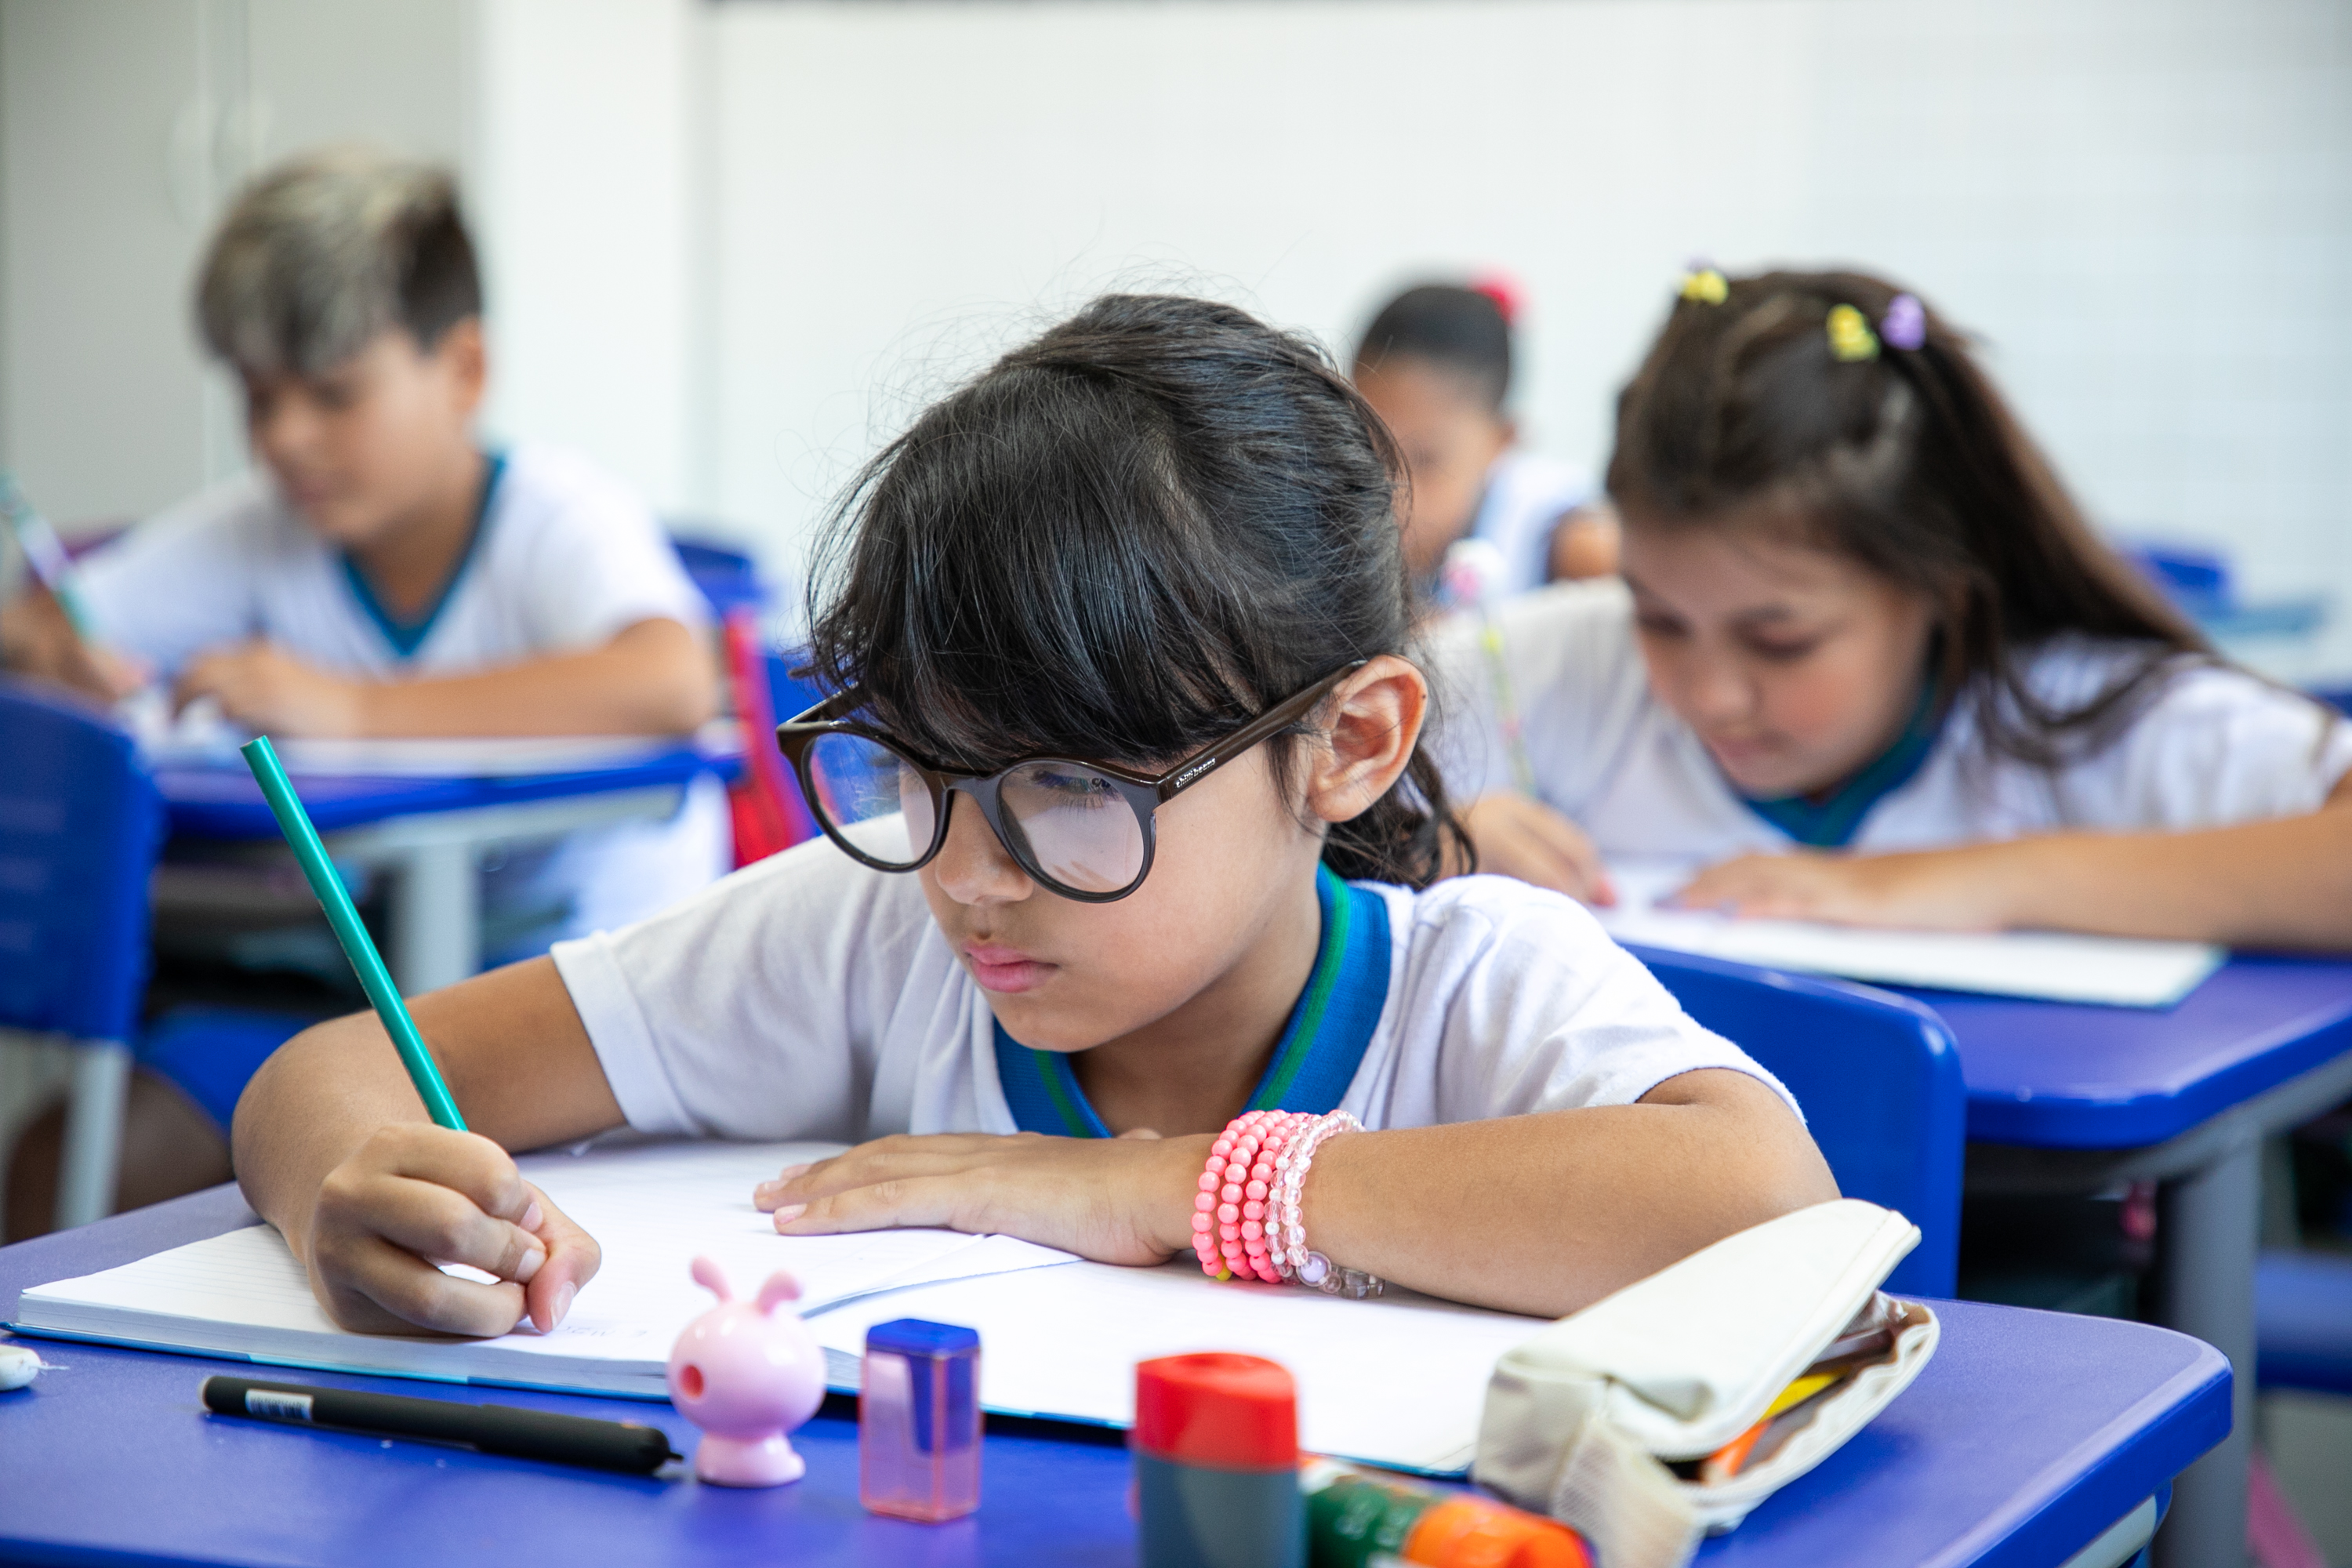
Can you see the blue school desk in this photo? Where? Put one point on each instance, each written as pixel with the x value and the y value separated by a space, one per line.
pixel 2071 1099
pixel 430 833
pixel 2028 1435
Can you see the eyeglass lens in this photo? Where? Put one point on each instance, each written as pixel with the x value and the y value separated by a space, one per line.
pixel 1063 820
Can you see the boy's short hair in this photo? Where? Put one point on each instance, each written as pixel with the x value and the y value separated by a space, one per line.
pixel 1463 331
pixel 325 252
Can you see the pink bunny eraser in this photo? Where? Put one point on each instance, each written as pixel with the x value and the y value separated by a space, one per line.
pixel 746 1374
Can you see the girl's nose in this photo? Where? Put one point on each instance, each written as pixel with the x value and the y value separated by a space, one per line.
pixel 1720 693
pixel 972 865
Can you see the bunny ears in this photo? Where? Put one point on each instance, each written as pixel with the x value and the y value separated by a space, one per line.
pixel 1905 325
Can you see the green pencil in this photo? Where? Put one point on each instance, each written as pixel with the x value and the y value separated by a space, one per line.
pixel 358 946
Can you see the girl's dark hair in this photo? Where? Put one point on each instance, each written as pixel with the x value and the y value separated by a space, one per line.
pixel 1907 461
pixel 1459 329
pixel 1121 542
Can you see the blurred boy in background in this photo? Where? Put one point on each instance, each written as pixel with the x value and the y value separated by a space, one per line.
pixel 1437 364
pixel 380 573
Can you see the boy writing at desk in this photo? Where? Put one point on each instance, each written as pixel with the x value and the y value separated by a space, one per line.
pixel 381 574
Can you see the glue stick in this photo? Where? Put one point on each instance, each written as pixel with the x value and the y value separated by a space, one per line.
pixel 1355 1519
pixel 1217 1463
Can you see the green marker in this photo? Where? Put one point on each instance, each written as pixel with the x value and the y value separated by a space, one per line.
pixel 358 946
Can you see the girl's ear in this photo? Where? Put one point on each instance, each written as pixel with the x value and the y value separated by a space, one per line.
pixel 1374 720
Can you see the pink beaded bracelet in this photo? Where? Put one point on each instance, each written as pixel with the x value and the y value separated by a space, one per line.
pixel 1245 1216
pixel 1293 1257
pixel 1229 1212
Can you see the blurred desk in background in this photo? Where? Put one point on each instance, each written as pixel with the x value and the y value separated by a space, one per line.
pixel 426 812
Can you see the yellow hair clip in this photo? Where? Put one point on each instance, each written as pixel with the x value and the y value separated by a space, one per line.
pixel 1706 286
pixel 1849 336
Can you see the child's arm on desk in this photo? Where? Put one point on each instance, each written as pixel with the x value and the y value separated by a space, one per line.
pixel 333 1147
pixel 652 679
pixel 1540 1214
pixel 2285 883
pixel 36 638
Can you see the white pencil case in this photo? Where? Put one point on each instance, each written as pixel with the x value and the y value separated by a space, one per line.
pixel 1582 1421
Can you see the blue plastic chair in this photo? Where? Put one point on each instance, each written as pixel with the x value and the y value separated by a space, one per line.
pixel 1878 1076
pixel 729 578
pixel 2303 1321
pixel 80 824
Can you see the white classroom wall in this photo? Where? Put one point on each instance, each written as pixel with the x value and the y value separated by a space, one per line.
pixel 730 246
pixel 2144 205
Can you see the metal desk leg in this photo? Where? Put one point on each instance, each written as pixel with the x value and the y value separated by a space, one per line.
pixel 2205 1267
pixel 437 917
pixel 93 1145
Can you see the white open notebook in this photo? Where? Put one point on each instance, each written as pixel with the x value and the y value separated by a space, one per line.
pixel 1396 1382
pixel 2052 966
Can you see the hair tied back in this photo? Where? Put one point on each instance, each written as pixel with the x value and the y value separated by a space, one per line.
pixel 1705 285
pixel 1504 289
pixel 1905 325
pixel 1851 338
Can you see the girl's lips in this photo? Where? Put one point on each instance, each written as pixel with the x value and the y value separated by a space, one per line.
pixel 1005 969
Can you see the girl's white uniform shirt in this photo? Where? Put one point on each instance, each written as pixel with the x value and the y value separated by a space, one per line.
pixel 565 558
pixel 810 997
pixel 2214 748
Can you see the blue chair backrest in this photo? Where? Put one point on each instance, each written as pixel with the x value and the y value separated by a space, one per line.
pixel 79 826
pixel 1878 1076
pixel 790 697
pixel 729 578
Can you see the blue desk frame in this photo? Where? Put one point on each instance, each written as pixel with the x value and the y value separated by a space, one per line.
pixel 2027 1436
pixel 2071 1099
pixel 430 832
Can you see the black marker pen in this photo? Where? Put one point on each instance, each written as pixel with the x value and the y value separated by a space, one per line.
pixel 492 1428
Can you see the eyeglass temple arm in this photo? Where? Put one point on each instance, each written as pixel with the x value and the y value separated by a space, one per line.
pixel 1268 723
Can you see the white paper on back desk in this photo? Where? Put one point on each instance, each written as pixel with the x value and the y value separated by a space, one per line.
pixel 2051 966
pixel 1397 1382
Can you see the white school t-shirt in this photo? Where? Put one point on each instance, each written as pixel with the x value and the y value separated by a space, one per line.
pixel 1525 497
pixel 565 558
pixel 810 997
pixel 2216 747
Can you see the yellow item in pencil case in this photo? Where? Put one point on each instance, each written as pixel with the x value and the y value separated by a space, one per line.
pixel 1849 336
pixel 1706 286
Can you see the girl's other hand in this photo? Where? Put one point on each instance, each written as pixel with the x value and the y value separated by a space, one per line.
pixel 1938 889
pixel 1527 839
pixel 1119 1200
pixel 263 687
pixel 413 1197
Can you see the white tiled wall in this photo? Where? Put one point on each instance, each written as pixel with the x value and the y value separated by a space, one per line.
pixel 2144 206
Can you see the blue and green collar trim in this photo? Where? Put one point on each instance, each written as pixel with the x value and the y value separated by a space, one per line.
pixel 1329 1029
pixel 407 636
pixel 1832 824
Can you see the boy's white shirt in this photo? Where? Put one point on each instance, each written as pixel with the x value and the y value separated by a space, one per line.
pixel 1525 496
pixel 2216 747
pixel 566 558
pixel 810 997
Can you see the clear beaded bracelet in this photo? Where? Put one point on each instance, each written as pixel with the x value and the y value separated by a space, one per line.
pixel 1293 1257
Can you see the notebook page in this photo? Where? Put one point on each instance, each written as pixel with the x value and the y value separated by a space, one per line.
pixel 2055 966
pixel 1399 1380
pixel 653 1209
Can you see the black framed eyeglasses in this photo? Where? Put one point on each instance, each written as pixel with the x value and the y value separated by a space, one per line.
pixel 1082 829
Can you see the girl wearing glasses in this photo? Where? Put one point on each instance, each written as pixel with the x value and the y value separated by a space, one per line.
pixel 1128 833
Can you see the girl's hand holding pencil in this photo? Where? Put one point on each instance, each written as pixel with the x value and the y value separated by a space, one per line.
pixel 413 1193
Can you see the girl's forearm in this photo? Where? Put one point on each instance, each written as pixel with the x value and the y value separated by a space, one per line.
pixel 2287 883
pixel 653 678
pixel 1546 1213
pixel 508 1043
pixel 317 1099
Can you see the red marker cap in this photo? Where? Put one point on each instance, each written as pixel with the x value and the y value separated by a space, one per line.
pixel 1228 1412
